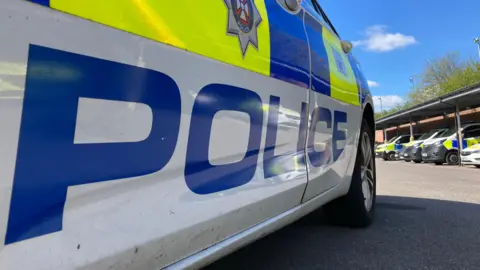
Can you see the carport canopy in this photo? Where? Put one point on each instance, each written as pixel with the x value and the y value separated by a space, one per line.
pixel 462 99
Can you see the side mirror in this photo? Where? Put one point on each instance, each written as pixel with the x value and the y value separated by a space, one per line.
pixel 347 46
pixel 290 5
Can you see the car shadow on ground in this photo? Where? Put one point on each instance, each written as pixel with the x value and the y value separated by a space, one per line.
pixel 408 233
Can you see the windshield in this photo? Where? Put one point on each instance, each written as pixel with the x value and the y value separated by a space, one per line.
pixel 427 135
pixel 392 140
pixel 440 133
pixel 447 133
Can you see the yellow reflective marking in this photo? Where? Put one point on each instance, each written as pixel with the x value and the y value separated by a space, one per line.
pixel 343 85
pixel 476 146
pixel 196 26
pixel 448 144
pixel 471 141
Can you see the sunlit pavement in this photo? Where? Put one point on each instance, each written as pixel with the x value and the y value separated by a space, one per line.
pixel 428 217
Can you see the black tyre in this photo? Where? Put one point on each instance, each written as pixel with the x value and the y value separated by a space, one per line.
pixel 356 208
pixel 438 163
pixel 407 160
pixel 416 161
pixel 391 156
pixel 451 158
pixel 478 166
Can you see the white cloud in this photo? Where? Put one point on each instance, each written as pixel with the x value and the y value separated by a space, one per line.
pixel 387 102
pixel 377 39
pixel 373 83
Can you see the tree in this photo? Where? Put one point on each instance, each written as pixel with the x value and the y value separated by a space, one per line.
pixel 440 76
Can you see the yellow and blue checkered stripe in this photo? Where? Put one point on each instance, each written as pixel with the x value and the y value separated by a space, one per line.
pixel 453 144
pixel 200 27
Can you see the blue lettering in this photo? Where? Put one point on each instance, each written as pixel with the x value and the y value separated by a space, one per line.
pixel 200 175
pixel 318 158
pixel 281 164
pixel 48 161
pixel 302 133
pixel 338 135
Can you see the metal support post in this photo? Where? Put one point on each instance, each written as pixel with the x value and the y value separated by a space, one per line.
pixel 385 139
pixel 458 123
pixel 411 128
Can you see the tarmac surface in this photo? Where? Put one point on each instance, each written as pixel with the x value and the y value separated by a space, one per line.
pixel 427 217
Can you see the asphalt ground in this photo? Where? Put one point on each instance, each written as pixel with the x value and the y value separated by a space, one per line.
pixel 427 217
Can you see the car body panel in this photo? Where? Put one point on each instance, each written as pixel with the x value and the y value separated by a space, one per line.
pixel 471 155
pixel 88 173
pixel 413 150
pixel 384 150
pixel 437 149
pixel 328 162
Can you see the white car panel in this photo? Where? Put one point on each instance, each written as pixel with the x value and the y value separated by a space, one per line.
pixel 180 214
pixel 103 223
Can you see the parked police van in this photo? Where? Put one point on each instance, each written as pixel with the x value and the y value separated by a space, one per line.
pixel 445 150
pixel 413 150
pixel 167 134
pixel 390 149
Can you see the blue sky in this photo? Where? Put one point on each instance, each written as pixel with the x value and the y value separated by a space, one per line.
pixel 394 39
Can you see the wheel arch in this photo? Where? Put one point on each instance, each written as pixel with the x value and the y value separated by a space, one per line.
pixel 369 116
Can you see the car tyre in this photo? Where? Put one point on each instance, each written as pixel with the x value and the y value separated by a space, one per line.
pixel 416 161
pixel 356 209
pixel 478 166
pixel 451 158
pixel 391 156
pixel 438 163
pixel 407 161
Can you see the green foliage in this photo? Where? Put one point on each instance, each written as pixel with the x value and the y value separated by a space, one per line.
pixel 440 76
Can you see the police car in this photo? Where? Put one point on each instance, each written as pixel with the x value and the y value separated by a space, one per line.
pixel 445 150
pixel 167 134
pixel 413 150
pixel 471 156
pixel 389 150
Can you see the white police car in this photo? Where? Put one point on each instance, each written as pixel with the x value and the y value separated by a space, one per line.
pixel 160 134
pixel 471 156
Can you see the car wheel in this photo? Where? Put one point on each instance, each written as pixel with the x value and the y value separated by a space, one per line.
pixel 356 208
pixel 478 166
pixel 407 160
pixel 391 156
pixel 452 158
pixel 438 163
pixel 416 161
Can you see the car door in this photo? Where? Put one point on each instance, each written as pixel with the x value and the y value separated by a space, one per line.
pixel 335 112
pixel 184 126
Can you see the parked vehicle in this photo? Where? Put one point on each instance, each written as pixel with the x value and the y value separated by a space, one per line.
pixel 381 148
pixel 389 150
pixel 471 156
pixel 413 150
pixel 400 154
pixel 137 135
pixel 445 150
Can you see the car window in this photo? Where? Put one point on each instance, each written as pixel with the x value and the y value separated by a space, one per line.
pixel 392 140
pixel 403 139
pixel 314 8
pixel 416 136
pixel 440 133
pixel 474 132
pixel 467 130
pixel 426 135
